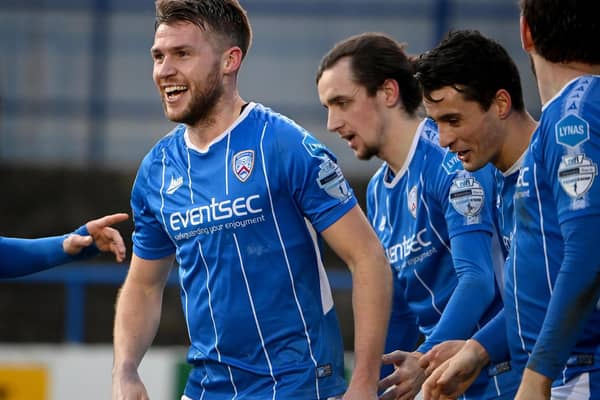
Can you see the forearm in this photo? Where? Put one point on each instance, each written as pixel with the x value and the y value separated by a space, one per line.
pixel 473 265
pixel 372 292
pixel 20 257
pixel 575 295
pixel 137 318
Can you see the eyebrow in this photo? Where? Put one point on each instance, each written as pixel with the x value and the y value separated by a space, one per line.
pixel 338 97
pixel 155 50
pixel 447 116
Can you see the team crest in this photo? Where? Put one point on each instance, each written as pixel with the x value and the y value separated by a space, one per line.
pixel 412 201
pixel 466 196
pixel 243 163
pixel 576 174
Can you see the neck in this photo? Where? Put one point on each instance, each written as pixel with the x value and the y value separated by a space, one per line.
pixel 225 112
pixel 552 77
pixel 519 127
pixel 399 135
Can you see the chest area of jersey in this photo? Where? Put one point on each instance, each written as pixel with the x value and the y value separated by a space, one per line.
pixel 402 223
pixel 214 197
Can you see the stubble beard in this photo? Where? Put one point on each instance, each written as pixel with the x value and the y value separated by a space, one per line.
pixel 202 105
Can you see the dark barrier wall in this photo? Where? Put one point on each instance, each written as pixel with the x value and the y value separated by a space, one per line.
pixel 50 201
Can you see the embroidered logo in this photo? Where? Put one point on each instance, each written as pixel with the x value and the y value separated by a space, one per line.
pixel 243 163
pixel 412 201
pixel 175 184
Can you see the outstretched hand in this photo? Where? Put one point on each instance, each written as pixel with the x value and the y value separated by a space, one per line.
pixel 405 382
pixel 101 233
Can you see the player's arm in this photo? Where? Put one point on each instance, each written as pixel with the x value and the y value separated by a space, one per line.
pixel 473 264
pixel 575 295
pixel 353 239
pixel 20 257
pixel 137 318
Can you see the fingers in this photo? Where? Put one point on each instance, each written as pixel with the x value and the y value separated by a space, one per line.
pixel 425 361
pixel 74 243
pixel 109 220
pixel 389 381
pixel 117 244
pixel 395 357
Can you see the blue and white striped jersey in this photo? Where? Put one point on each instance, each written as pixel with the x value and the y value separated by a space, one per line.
pixel 244 218
pixel 420 214
pixel 505 190
pixel 556 190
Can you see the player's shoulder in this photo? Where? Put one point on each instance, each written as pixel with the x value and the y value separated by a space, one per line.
pixel 164 145
pixel 289 136
pixel 273 121
pixel 570 117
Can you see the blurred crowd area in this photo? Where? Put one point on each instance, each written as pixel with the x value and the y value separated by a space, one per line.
pixel 78 111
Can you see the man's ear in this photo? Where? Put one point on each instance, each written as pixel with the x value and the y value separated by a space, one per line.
pixel 503 103
pixel 232 59
pixel 391 91
pixel 526 39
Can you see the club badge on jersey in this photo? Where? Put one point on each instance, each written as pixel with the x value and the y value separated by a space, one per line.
pixel 243 163
pixel 412 201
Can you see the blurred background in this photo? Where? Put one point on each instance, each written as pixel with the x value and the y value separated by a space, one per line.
pixel 78 111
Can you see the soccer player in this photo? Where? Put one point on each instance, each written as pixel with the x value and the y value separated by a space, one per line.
pixel 241 196
pixel 552 316
pixel 473 91
pixel 20 257
pixel 434 219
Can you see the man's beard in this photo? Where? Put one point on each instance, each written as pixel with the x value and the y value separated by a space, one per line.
pixel 202 105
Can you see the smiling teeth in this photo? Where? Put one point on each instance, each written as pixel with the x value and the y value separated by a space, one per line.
pixel 172 89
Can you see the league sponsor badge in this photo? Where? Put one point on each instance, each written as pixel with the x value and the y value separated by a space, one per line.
pixel 466 196
pixel 243 163
pixel 576 174
pixel 451 163
pixel 412 201
pixel 572 130
pixel 332 180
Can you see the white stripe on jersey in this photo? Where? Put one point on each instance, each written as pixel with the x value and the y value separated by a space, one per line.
pixel 514 243
pixel 227 164
pixel 285 255
pixel 375 191
pixel 258 329
pixel 446 245
pixel 430 292
pixel 326 296
pixel 189 171
pixel 162 197
pixel 212 315
pixel 539 201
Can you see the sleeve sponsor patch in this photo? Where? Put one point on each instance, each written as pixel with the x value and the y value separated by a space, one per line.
pixel 332 181
pixel 572 130
pixel 576 174
pixel 466 196
pixel 314 147
pixel 451 163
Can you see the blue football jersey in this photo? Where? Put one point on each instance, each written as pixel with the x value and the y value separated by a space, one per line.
pixel 244 218
pixel 557 184
pixel 416 213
